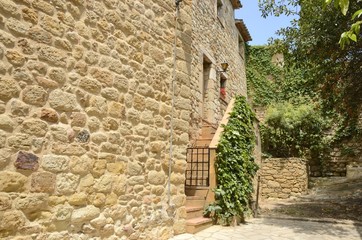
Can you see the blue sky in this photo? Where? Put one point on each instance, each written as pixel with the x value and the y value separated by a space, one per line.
pixel 260 29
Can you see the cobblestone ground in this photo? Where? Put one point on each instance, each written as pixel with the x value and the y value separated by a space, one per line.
pixel 279 229
pixel 331 210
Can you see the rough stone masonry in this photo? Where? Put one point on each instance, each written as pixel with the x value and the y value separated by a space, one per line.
pixel 85 107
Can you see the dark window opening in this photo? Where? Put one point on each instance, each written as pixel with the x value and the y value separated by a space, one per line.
pixel 222 87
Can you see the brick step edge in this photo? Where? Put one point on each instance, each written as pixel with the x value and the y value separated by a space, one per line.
pixel 193 209
pixel 198 221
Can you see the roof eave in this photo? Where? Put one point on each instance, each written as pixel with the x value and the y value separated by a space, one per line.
pixel 243 30
pixel 236 4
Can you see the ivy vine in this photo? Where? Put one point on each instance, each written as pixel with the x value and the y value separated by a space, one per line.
pixel 235 165
pixel 274 81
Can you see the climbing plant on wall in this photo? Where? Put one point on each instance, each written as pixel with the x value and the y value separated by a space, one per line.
pixel 235 164
pixel 271 80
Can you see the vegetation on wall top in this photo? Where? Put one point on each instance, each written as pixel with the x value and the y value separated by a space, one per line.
pixel 235 165
pixel 295 131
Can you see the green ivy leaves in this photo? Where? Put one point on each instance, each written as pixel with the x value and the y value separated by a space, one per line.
pixel 235 164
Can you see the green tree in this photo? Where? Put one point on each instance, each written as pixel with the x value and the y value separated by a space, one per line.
pixel 290 7
pixel 354 30
pixel 312 44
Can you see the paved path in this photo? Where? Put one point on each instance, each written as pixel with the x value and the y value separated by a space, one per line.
pixel 279 229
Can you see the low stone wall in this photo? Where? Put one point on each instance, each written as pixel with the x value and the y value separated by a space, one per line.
pixel 354 171
pixel 283 177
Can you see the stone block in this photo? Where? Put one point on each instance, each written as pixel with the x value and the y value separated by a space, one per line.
pixel 84 215
pixel 35 95
pixel 158 190
pixel 86 182
pixel 110 148
pixel 136 180
pixel 78 199
pixel 26 46
pixel 43 182
pixel 90 85
pixel 52 25
pixel 17 26
pixel 53 56
pixel 74 149
pixel 54 163
pixel 120 185
pixel 5 201
pixel 117 167
pixel 63 101
pixel 104 77
pixel 63 213
pixel 9 7
pixel 157 146
pixel 98 199
pixel 78 119
pixel 99 168
pixel 32 202
pixel 99 222
pixel 30 15
pixel 12 220
pixel 26 161
pixel 177 178
pixel 58 75
pixel 6 123
pixel 34 127
pixel 83 136
pixel 15 58
pixel 44 6
pixel 41 36
pixel 7 39
pixel 66 183
pixel 18 108
pixel 49 115
pixel 20 141
pixel 111 199
pixel 104 184
pixel 110 94
pixel 5 154
pixel 134 169
pixel 156 178
pixel 81 165
pixel 9 89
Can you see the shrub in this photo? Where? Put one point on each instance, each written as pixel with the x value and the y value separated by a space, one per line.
pixel 294 131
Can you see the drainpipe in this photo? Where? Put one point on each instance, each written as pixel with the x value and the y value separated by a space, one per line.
pixel 171 206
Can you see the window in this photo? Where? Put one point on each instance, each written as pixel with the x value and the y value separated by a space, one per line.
pixel 205 87
pixel 222 87
pixel 220 11
pixel 219 8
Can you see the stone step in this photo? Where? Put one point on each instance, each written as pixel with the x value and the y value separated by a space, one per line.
pixel 194 212
pixel 208 131
pixel 195 225
pixel 197 191
pixel 195 201
pixel 202 142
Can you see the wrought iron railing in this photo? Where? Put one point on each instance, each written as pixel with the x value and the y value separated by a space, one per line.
pixel 198 166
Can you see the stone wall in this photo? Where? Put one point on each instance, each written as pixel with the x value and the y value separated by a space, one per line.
pixel 215 40
pixel 85 112
pixel 283 177
pixel 346 154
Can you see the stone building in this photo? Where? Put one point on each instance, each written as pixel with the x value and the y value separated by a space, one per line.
pixel 96 112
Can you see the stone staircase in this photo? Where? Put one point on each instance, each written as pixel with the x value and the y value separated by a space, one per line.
pixel 197 197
